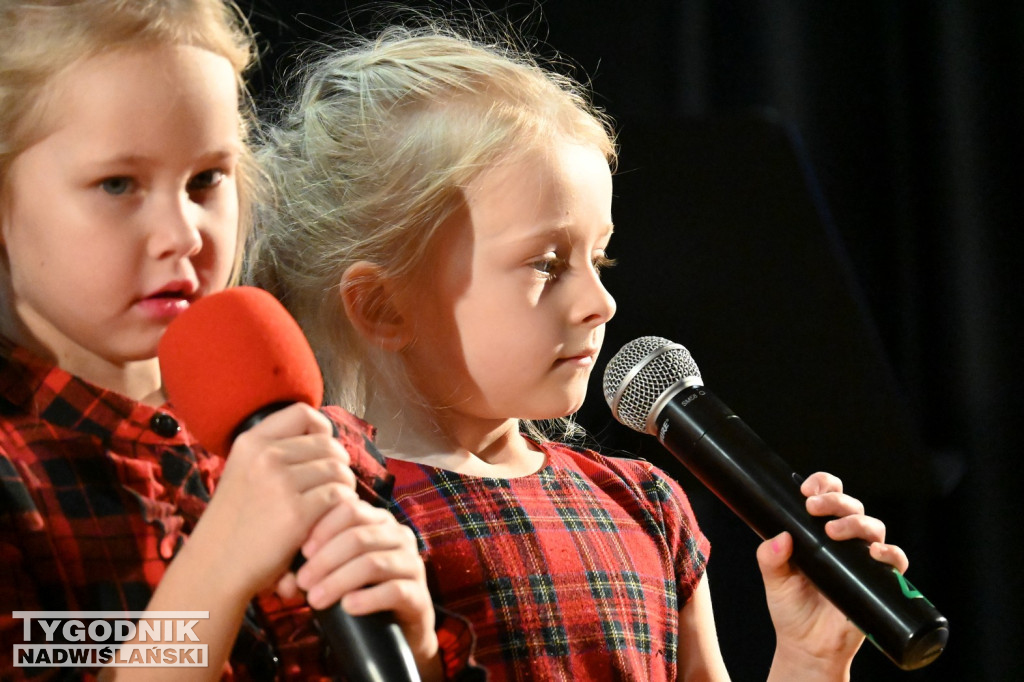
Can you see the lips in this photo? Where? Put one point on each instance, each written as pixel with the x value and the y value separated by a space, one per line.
pixel 169 300
pixel 179 289
pixel 583 357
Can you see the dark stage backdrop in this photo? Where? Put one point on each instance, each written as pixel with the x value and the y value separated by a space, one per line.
pixel 817 199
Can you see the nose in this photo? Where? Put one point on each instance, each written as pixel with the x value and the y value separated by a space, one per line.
pixel 175 228
pixel 594 304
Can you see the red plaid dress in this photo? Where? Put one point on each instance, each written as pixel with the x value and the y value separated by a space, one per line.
pixel 97 493
pixel 574 573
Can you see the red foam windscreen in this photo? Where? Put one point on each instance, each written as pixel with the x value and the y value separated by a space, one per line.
pixel 230 355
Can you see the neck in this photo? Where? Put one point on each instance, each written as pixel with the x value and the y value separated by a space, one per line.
pixel 452 440
pixel 138 380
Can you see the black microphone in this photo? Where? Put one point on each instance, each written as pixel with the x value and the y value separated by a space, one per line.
pixel 653 386
pixel 229 361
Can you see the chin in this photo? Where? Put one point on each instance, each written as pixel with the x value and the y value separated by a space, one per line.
pixel 554 412
pixel 570 409
pixel 554 404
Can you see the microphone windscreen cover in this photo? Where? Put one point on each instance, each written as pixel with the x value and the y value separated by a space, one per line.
pixel 230 355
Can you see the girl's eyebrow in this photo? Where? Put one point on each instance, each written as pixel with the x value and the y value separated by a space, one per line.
pixel 557 231
pixel 214 156
pixel 124 160
pixel 134 160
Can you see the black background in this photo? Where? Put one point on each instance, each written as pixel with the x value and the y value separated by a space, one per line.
pixel 819 199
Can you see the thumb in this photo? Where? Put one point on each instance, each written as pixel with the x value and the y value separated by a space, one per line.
pixel 773 557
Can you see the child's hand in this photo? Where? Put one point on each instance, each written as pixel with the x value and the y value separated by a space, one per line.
pixel 281 477
pixel 363 556
pixel 811 632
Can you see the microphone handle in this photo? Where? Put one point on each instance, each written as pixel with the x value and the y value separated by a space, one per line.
pixel 368 648
pixel 736 465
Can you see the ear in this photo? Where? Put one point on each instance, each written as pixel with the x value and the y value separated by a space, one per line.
pixel 368 296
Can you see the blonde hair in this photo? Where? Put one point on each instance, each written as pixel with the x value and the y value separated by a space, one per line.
pixel 369 159
pixel 41 38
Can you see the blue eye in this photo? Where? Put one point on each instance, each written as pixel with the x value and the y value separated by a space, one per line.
pixel 545 266
pixel 117 186
pixel 550 265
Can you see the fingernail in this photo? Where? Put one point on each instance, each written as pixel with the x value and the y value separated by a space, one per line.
pixel 775 546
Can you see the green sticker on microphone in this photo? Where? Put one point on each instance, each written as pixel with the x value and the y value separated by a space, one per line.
pixel 909 591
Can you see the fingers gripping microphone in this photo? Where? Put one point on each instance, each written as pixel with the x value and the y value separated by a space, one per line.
pixel 653 386
pixel 232 359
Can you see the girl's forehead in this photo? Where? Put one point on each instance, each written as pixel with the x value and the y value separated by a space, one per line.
pixel 555 191
pixel 546 168
pixel 139 114
pixel 105 81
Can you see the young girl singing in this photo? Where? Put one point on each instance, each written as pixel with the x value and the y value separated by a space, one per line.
pixel 124 182
pixel 441 220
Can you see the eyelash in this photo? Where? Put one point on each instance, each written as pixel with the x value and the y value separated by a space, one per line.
pixel 602 262
pixel 550 268
pixel 218 176
pixel 200 182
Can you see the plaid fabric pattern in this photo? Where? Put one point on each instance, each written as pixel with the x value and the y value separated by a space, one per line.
pixel 576 572
pixel 97 493
pixel 93 500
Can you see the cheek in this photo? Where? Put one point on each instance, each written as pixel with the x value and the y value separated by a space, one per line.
pixel 485 328
pixel 18 227
pixel 229 225
pixel 503 349
pixel 221 244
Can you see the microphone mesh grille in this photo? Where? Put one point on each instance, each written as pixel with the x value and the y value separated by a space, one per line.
pixel 640 373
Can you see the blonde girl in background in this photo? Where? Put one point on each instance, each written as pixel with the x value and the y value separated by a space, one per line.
pixel 125 182
pixel 441 217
